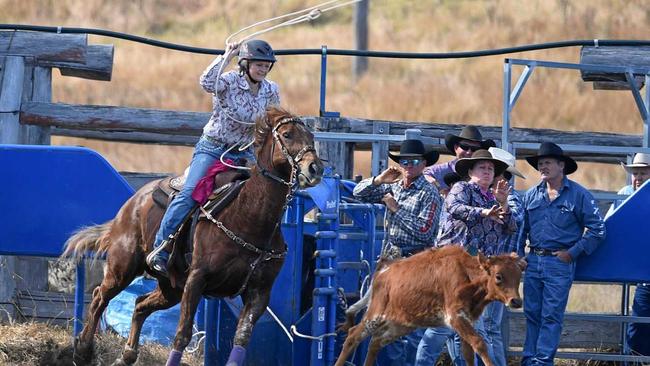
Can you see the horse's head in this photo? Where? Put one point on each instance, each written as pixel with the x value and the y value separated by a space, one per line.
pixel 285 146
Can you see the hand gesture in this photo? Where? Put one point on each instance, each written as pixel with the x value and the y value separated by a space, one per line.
pixel 390 202
pixel 232 49
pixel 501 192
pixel 390 175
pixel 495 213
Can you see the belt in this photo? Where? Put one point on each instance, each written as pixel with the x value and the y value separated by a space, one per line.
pixel 541 252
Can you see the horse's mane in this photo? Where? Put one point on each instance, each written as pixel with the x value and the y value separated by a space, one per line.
pixel 265 123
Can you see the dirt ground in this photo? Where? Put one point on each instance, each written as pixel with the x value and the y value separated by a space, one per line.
pixel 31 344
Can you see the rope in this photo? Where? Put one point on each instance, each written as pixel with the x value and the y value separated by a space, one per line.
pixel 313 338
pixel 197 345
pixel 313 14
pixel 277 320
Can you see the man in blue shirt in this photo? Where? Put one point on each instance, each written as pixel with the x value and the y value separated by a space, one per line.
pixel 561 222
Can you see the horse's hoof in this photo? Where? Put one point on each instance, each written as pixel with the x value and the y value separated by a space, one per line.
pixel 82 353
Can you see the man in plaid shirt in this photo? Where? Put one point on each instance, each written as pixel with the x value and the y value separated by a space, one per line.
pixel 413 204
pixel 413 207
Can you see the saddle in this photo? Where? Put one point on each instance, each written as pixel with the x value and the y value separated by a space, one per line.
pixel 227 187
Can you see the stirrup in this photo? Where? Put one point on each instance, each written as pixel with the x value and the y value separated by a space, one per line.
pixel 155 251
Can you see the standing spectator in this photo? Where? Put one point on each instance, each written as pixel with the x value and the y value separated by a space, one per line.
pixel 461 146
pixel 562 222
pixel 638 334
pixel 489 324
pixel 477 218
pixel 413 207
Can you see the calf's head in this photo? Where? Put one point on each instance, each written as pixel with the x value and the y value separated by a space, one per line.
pixel 504 273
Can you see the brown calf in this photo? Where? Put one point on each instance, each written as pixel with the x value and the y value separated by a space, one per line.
pixel 438 287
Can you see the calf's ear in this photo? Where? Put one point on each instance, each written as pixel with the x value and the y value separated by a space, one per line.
pixel 522 264
pixel 514 255
pixel 484 262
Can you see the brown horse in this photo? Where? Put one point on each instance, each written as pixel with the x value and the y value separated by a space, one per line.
pixel 244 235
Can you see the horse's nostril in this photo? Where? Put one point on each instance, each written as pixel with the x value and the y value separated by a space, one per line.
pixel 314 169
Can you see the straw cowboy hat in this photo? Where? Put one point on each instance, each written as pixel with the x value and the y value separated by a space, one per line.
pixel 551 150
pixel 413 149
pixel 469 133
pixel 464 165
pixel 507 158
pixel 641 160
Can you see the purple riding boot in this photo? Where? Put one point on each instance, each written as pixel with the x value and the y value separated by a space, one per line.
pixel 174 358
pixel 237 356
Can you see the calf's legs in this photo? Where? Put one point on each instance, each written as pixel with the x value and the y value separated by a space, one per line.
pixel 472 341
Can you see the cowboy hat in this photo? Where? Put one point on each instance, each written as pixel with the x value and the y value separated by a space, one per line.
pixel 641 160
pixel 464 165
pixel 507 158
pixel 413 149
pixel 451 178
pixel 469 133
pixel 551 150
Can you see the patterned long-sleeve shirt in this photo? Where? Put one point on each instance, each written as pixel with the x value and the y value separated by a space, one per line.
pixel 570 222
pixel 233 92
pixel 464 225
pixel 415 223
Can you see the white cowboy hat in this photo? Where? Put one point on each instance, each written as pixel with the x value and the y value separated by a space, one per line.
pixel 641 160
pixel 507 158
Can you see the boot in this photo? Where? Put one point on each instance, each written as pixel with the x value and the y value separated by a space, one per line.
pixel 158 259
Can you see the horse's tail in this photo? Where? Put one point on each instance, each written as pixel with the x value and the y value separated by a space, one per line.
pixel 88 239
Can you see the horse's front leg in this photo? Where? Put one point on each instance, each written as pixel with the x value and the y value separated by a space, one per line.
pixel 190 300
pixel 255 302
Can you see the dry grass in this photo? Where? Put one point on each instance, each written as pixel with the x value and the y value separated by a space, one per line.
pixel 29 344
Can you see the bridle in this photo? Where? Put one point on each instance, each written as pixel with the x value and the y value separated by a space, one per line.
pixel 293 160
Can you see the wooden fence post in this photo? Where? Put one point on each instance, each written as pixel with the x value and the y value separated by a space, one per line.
pixel 339 155
pixel 41 92
pixel 11 98
pixel 360 64
pixel 11 93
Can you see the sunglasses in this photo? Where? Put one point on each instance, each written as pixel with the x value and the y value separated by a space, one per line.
pixel 468 147
pixel 410 162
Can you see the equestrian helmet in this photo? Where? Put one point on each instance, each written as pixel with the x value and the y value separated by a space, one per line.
pixel 256 49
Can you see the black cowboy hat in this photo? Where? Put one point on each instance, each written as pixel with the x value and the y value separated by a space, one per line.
pixel 469 133
pixel 465 164
pixel 413 149
pixel 551 150
pixel 451 178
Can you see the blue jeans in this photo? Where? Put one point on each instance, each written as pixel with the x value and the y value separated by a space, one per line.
pixel 489 327
pixel 639 333
pixel 402 351
pixel 206 153
pixel 547 282
pixel 432 344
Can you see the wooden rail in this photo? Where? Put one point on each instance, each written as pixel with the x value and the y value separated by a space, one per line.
pixel 183 128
